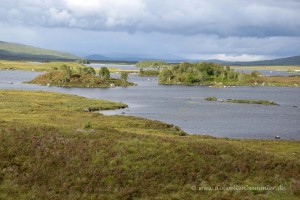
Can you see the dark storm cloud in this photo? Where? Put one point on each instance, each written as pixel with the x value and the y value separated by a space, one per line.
pixel 241 18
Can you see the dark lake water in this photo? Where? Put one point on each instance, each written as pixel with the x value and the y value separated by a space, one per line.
pixel 184 106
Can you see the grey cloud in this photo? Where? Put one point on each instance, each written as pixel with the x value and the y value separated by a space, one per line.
pixel 90 42
pixel 224 18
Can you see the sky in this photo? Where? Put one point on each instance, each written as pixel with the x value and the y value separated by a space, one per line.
pixel 240 30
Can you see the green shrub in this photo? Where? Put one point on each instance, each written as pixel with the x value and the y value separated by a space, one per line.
pixel 211 99
pixel 148 73
pixel 88 125
pixel 104 73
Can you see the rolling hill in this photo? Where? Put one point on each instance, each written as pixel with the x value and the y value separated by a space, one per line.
pixel 97 57
pixel 294 60
pixel 13 51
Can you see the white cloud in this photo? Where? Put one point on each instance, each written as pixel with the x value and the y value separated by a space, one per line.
pixel 242 57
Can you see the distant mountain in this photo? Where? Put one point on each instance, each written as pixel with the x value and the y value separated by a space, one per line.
pixel 97 57
pixel 295 60
pixel 133 57
pixel 13 51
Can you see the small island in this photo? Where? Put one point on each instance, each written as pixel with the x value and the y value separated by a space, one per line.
pixel 247 101
pixel 80 76
pixel 216 75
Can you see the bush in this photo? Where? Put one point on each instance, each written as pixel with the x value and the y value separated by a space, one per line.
pixel 211 99
pixel 88 125
pixel 104 73
pixel 124 76
pixel 154 64
pixel 83 61
pixel 255 74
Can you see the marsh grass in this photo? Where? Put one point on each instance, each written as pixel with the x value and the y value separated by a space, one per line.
pixel 43 156
pixel 246 101
pixel 250 101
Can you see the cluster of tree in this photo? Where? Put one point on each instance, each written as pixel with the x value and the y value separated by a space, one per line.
pixel 85 70
pixel 104 74
pixel 67 72
pixel 193 73
pixel 83 61
pixel 152 64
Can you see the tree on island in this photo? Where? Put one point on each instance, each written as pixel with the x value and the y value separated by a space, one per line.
pixel 124 76
pixel 83 61
pixel 66 73
pixel 104 73
pixel 197 73
pixel 152 64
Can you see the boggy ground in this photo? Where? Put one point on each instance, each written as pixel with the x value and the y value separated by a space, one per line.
pixel 50 148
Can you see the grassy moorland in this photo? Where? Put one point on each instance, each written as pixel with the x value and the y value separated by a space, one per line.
pixel 34 66
pixel 50 148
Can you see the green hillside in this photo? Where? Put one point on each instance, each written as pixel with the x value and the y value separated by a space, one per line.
pixel 288 61
pixel 12 51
